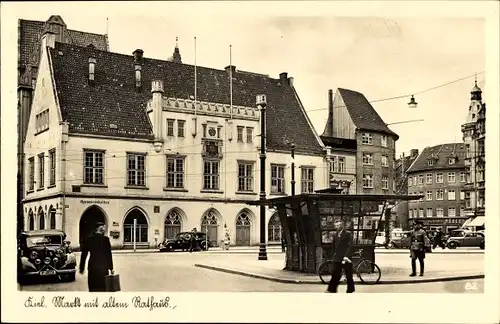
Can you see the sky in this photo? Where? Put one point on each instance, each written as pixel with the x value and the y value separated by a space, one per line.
pixel 381 57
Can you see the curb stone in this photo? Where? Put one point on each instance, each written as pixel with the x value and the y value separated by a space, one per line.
pixel 318 282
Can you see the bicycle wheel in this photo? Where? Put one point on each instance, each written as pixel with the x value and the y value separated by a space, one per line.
pixel 325 272
pixel 368 272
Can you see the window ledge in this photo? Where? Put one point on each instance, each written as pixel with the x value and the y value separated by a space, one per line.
pixel 51 186
pixel 30 191
pixel 211 191
pixel 175 189
pixel 137 187
pixel 277 194
pixel 93 185
pixel 246 193
pixel 40 189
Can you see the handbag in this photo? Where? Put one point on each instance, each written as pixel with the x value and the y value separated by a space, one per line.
pixel 112 282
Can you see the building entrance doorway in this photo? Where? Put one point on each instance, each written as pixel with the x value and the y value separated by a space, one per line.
pixel 89 220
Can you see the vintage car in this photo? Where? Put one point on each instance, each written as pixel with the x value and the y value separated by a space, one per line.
pixel 43 253
pixel 465 238
pixel 182 241
pixel 400 239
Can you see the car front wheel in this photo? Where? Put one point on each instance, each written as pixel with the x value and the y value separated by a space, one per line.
pixel 452 245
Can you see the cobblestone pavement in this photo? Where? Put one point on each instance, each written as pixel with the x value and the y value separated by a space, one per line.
pixel 176 272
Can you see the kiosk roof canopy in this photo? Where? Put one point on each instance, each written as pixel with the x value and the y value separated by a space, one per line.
pixel 331 196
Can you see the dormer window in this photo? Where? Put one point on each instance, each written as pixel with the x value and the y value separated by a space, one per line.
pixel 430 162
pixel 451 160
pixel 138 76
pixel 92 63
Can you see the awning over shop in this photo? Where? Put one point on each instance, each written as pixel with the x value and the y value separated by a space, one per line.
pixel 467 222
pixel 478 221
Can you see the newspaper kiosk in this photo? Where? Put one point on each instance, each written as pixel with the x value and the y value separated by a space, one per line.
pixel 308 224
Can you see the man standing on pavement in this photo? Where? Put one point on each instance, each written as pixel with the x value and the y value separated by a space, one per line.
pixel 100 261
pixel 438 239
pixel 419 244
pixel 342 254
pixel 193 242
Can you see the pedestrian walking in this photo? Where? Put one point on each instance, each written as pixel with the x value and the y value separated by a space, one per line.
pixel 283 244
pixel 438 239
pixel 100 261
pixel 342 255
pixel 420 243
pixel 193 242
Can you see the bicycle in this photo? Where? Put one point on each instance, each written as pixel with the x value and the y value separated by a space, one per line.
pixel 363 269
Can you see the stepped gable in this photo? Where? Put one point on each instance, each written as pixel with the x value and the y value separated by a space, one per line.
pixel 31 31
pixel 113 99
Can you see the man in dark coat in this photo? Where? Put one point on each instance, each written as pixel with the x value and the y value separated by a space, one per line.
pixel 438 239
pixel 419 243
pixel 342 255
pixel 100 261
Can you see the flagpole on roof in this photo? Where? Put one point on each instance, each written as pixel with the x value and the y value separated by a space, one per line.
pixel 195 78
pixel 231 81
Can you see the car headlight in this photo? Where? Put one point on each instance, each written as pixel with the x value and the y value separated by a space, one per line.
pixel 55 260
pixel 33 254
pixel 38 261
pixel 47 260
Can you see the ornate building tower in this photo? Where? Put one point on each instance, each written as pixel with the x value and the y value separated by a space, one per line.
pixel 473 136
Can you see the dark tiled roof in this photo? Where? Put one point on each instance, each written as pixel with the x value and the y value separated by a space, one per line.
pixel 31 31
pixel 114 100
pixel 440 154
pixel 362 112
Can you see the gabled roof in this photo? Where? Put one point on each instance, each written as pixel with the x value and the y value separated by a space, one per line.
pixel 441 152
pixel 31 31
pixel 362 113
pixel 114 100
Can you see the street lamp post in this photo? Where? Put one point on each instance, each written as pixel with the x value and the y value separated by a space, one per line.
pixel 261 103
pixel 293 168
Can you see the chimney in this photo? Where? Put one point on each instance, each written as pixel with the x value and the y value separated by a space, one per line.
pixel 283 76
pixel 138 62
pixel 92 63
pixel 290 81
pixel 413 153
pixel 231 68
pixel 156 104
pixel 48 40
pixel 330 110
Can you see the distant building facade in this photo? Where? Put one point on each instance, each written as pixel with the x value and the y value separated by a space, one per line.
pixel 438 174
pixel 122 139
pixel 352 117
pixel 400 213
pixel 474 134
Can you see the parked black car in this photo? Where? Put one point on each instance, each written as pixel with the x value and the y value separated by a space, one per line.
pixel 45 253
pixel 182 241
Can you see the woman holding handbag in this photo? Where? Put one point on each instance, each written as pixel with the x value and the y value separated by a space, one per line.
pixel 100 261
pixel 420 243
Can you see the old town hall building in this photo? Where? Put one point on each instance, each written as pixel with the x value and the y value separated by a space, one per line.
pixel 129 139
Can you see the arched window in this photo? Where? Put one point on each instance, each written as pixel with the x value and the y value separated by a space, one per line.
pixel 31 221
pixel 141 231
pixel 41 219
pixel 210 225
pixel 173 224
pixel 243 226
pixel 274 229
pixel 52 213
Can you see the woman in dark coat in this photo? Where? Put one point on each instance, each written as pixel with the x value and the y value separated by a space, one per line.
pixel 100 261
